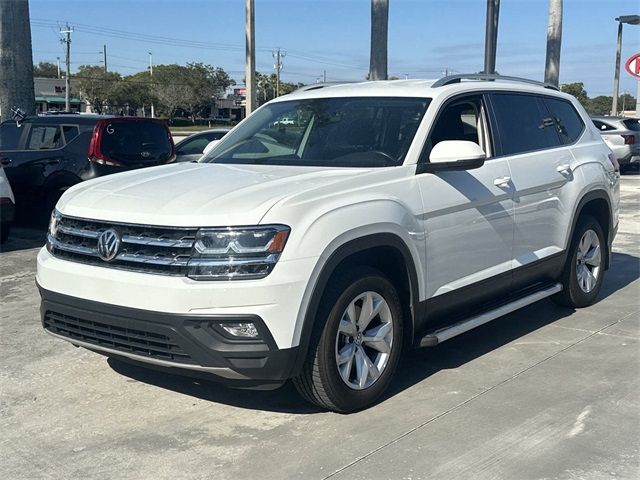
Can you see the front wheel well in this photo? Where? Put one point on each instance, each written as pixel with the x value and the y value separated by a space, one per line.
pixel 389 261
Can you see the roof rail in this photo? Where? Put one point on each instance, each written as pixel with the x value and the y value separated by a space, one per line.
pixel 317 86
pixel 489 77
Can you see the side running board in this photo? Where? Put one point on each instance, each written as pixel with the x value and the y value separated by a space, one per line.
pixel 434 338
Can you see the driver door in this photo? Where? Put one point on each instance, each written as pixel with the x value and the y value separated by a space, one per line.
pixel 468 215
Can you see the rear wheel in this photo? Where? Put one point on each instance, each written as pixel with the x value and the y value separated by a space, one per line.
pixel 355 344
pixel 584 270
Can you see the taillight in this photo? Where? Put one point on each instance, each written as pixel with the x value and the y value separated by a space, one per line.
pixel 629 139
pixel 614 162
pixel 94 152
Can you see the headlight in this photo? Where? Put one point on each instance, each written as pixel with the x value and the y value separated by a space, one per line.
pixel 240 253
pixel 52 231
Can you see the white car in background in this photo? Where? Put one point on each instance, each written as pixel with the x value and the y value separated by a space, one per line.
pixel 7 207
pixel 622 135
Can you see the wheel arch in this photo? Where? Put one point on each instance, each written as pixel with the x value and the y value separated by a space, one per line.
pixel 386 252
pixel 597 204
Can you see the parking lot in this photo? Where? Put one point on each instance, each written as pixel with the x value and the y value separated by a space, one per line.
pixel 545 392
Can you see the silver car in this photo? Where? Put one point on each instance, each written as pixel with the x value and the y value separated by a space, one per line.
pixel 622 135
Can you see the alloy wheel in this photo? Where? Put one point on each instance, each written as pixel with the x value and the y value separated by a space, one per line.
pixel 364 340
pixel 588 261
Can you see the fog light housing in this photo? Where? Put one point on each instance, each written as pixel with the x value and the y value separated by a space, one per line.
pixel 241 329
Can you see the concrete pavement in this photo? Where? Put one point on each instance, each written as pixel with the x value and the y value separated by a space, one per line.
pixel 543 393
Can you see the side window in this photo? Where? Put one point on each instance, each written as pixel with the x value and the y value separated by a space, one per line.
pixel 568 121
pixel 10 135
pixel 44 137
pixel 462 119
pixel 70 132
pixel 523 123
pixel 603 127
pixel 194 146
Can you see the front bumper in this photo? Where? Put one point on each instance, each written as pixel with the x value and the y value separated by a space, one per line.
pixel 184 343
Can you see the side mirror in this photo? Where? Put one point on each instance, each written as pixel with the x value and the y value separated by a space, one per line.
pixel 456 155
pixel 210 146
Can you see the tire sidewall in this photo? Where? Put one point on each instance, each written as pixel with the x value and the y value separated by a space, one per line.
pixel 345 397
pixel 578 297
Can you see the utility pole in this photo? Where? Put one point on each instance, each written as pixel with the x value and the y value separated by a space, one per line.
pixel 554 43
pixel 104 57
pixel 153 111
pixel 324 76
pixel 278 55
pixel 379 36
pixel 16 60
pixel 67 81
pixel 491 36
pixel 250 63
pixel 58 61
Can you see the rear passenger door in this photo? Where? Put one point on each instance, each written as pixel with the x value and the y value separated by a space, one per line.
pixel 533 132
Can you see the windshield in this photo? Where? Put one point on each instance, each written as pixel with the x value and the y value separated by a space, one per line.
pixel 336 132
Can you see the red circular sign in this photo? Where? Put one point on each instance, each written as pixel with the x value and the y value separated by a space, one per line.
pixel 633 65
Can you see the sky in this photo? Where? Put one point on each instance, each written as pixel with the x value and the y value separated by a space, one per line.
pixel 426 37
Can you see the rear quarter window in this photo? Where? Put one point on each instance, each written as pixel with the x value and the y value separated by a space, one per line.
pixel 523 123
pixel 568 122
pixel 603 127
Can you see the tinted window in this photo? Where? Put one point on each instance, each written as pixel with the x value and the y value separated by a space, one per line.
pixel 44 137
pixel 136 142
pixel 10 136
pixel 568 122
pixel 194 146
pixel 523 123
pixel 70 132
pixel 603 127
pixel 632 124
pixel 339 132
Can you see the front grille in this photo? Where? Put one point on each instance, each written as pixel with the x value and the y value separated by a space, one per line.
pixel 143 248
pixel 127 340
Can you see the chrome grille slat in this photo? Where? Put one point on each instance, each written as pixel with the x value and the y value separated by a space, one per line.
pixel 144 248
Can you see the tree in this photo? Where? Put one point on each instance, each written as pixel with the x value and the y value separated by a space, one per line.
pixel 379 34
pixel 577 90
pixel 45 70
pixel 266 87
pixel 192 87
pixel 554 42
pixel 600 105
pixel 96 86
pixel 16 60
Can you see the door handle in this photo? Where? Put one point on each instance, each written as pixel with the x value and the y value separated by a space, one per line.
pixel 502 182
pixel 564 169
pixel 5 162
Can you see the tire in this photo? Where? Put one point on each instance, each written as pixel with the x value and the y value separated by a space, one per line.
pixel 5 229
pixel 584 270
pixel 337 341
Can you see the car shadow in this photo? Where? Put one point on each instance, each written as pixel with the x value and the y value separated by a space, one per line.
pixel 415 366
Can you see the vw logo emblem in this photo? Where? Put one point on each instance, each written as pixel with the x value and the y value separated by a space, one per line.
pixel 145 154
pixel 108 245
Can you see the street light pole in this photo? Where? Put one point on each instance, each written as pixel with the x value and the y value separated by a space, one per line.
pixel 616 76
pixel 630 20
pixel 153 112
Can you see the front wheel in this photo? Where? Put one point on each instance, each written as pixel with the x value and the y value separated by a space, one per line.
pixel 584 269
pixel 355 344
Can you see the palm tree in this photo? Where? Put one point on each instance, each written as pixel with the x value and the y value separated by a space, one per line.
pixel 379 34
pixel 16 64
pixel 554 42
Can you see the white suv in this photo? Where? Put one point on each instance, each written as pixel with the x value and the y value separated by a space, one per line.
pixel 391 215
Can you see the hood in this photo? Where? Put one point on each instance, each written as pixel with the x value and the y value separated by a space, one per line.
pixel 194 194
